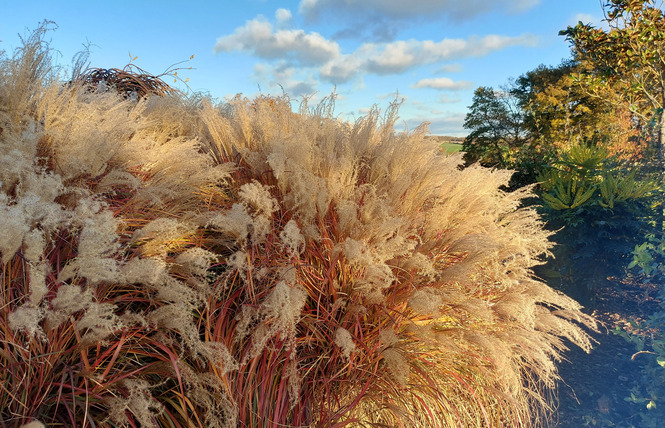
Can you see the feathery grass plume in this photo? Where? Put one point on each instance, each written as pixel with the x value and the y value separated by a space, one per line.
pixel 344 340
pixel 72 325
pixel 139 403
pixel 75 120
pixel 192 264
pixel 24 75
pixel 393 228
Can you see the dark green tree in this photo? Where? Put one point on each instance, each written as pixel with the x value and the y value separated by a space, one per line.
pixel 496 126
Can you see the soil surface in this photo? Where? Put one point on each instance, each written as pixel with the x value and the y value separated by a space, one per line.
pixel 594 386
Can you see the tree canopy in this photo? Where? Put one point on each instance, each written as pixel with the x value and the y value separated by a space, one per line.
pixel 627 57
pixel 497 126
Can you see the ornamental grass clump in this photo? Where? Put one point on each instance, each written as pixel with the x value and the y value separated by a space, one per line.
pixel 171 262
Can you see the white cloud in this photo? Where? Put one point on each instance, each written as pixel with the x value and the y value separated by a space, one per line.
pixel 293 81
pixel 399 56
pixel 301 88
pixel 313 53
pixel 447 99
pixel 517 6
pixel 395 57
pixel 426 107
pixel 584 17
pixel 587 18
pixel 258 37
pixel 443 83
pixel 341 69
pixel 283 15
pixel 451 68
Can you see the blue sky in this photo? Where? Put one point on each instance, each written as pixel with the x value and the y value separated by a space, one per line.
pixel 433 53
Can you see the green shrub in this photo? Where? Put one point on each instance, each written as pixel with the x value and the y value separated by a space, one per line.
pixel 170 262
pixel 599 212
pixel 648 336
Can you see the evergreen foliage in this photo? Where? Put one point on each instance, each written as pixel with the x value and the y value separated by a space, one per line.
pixel 600 211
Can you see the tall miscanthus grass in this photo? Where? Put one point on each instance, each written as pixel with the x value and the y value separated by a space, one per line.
pixel 168 261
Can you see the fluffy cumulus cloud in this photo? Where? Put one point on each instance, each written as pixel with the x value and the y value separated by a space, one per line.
pixel 260 38
pixel 339 71
pixel 443 83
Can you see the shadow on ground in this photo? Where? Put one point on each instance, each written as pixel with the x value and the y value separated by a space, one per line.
pixel 594 386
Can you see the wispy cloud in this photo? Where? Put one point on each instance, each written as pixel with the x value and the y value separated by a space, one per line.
pixel 394 95
pixel 401 10
pixel 447 99
pixel 429 108
pixel 451 68
pixel 443 83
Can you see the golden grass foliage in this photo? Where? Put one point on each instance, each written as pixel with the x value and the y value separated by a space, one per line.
pixel 171 262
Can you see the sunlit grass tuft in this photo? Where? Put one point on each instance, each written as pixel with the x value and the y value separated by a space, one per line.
pixel 173 262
